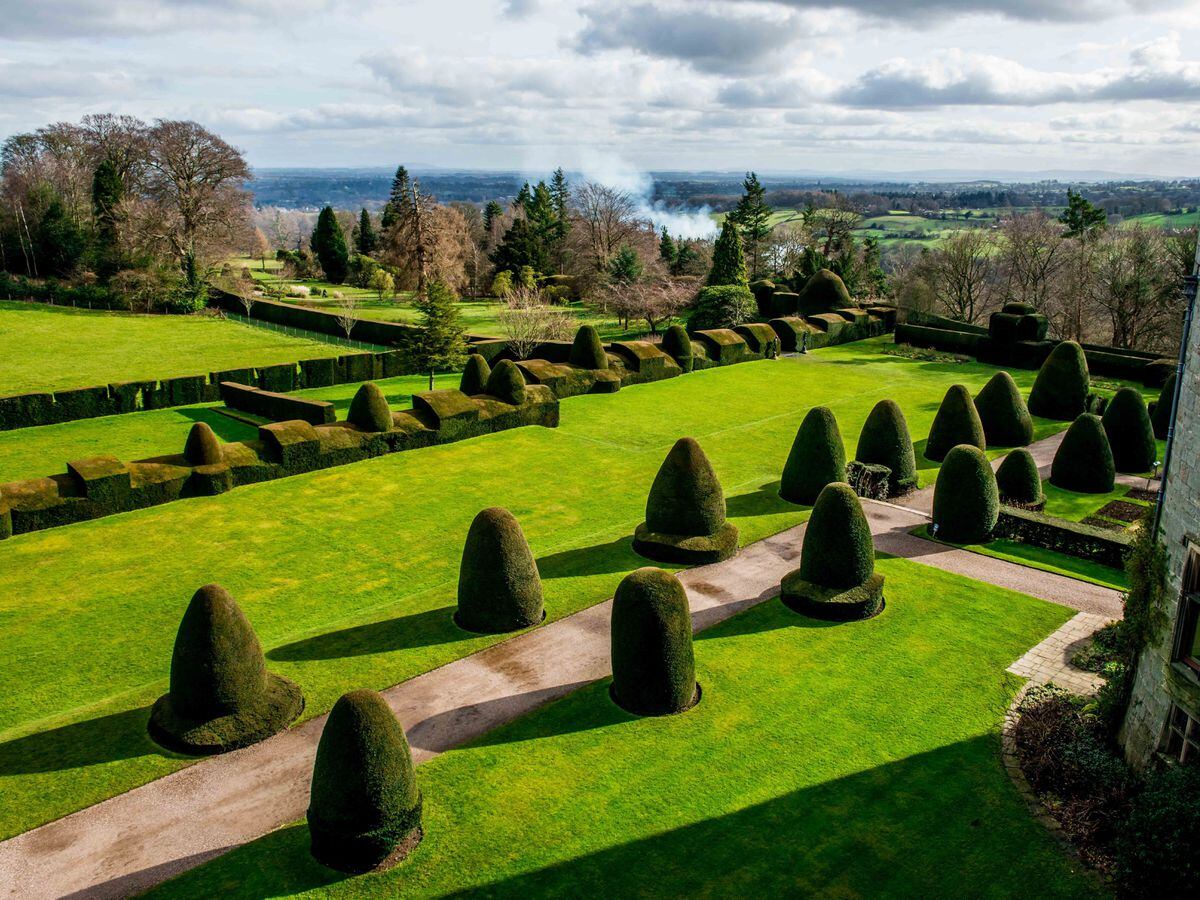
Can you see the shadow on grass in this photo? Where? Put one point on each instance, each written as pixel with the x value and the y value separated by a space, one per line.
pixel 423 629
pixel 762 502
pixel 599 559
pixel 104 739
pixel 760 624
pixel 226 429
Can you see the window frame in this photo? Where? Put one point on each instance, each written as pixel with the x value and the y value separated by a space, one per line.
pixel 1187 736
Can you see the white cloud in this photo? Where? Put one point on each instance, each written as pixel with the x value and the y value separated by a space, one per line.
pixel 87 18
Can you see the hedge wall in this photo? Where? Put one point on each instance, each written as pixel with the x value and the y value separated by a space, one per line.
pixel 277 407
pixel 1108 548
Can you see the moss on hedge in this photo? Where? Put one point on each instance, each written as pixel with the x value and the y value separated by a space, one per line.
pixel 364 803
pixel 202 447
pixel 838 551
pixel 885 441
pixel 499 588
pixel 221 695
pixel 1084 460
pixel 587 351
pixel 1130 432
pixel 966 499
pixel 957 422
pixel 824 291
pixel 685 511
pixel 369 409
pixel 1161 418
pixel 654 672
pixel 507 383
pixel 1002 410
pixel 475 375
pixel 1018 479
pixel 678 345
pixel 1061 387
pixel 817 458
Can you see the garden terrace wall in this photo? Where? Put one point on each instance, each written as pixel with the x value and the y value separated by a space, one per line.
pixel 104 485
pixel 275 406
pixel 1108 548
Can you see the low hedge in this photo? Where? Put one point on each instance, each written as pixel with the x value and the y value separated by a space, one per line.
pixel 885 441
pixel 653 665
pixel 966 500
pixel 968 342
pixel 1084 460
pixel 276 407
pixel 957 422
pixel 1130 433
pixel 499 588
pixel 817 458
pixel 1109 548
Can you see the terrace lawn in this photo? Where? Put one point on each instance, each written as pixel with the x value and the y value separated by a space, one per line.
pixel 349 574
pixel 48 348
pixel 823 760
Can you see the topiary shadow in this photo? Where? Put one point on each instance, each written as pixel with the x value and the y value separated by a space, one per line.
pixel 105 739
pixel 762 502
pixel 424 629
pixel 599 559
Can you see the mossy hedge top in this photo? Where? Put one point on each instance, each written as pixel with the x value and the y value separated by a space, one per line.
pixel 507 383
pixel 369 409
pixel 587 351
pixel 825 290
pixel 686 497
pixel 838 551
pixel 475 376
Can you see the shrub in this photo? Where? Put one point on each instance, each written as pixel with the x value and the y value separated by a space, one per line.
pixel 884 441
pixel 1158 850
pixel 499 588
pixel 956 423
pixel 1084 461
pixel 722 306
pixel 685 511
pixel 1130 433
pixel 364 803
pixel 817 458
pixel 221 695
pixel 654 672
pixel 202 447
pixel 475 376
pixel 824 291
pixel 1006 420
pixel 966 500
pixel 1161 418
pixel 369 409
pixel 507 383
pixel 1061 387
pixel 1018 480
pixel 678 345
pixel 587 351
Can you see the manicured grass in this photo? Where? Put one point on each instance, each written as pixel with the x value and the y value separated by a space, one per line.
pixel 348 574
pixel 48 348
pixel 1077 507
pixel 823 760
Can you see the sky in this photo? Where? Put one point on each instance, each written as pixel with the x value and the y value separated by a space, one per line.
pixel 629 85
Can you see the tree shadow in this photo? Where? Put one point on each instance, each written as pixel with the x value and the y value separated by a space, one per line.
pixel 225 428
pixel 599 559
pixel 772 615
pixel 762 502
pixel 105 739
pixel 423 629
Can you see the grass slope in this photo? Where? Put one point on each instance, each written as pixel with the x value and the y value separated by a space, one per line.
pixel 852 760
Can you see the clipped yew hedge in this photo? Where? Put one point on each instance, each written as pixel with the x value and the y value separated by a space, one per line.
pixel 202 447
pixel 507 383
pixel 957 422
pixel 966 499
pixel 475 376
pixel 499 587
pixel 1161 417
pixel 824 291
pixel 369 409
pixel 1003 413
pixel 885 441
pixel 817 458
pixel 1061 388
pixel 685 511
pixel 587 351
pixel 1084 460
pixel 1130 432
pixel 1018 480
pixel 654 670
pixel 678 346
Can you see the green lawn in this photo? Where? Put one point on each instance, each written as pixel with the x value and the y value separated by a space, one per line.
pixel 823 760
pixel 1077 507
pixel 349 574
pixel 48 348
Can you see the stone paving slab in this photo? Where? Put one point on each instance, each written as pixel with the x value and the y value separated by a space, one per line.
pixel 1050 661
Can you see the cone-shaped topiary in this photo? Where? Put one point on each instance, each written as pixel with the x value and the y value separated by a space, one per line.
pixel 884 441
pixel 654 672
pixel 587 351
pixel 966 500
pixel 499 588
pixel 1018 480
pixel 824 291
pixel 202 447
pixel 685 511
pixel 1006 420
pixel 678 345
pixel 221 695
pixel 817 458
pixel 507 383
pixel 1161 419
pixel 836 579
pixel 369 409
pixel 364 809
pixel 1084 460
pixel 956 422
pixel 1130 433
pixel 1061 388
pixel 475 376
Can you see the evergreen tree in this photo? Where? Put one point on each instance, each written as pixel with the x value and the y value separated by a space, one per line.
pixel 685 257
pixel 329 245
pixel 58 242
pixel 519 247
pixel 560 199
pixel 398 201
pixel 666 248
pixel 442 343
pixel 752 217
pixel 491 214
pixel 728 264
pixel 1081 217
pixel 625 267
pixel 108 190
pixel 365 238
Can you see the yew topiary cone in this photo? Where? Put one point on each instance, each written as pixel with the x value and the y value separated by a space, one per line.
pixel 1061 387
pixel 1019 482
pixel 678 346
pixel 475 376
pixel 202 447
pixel 221 695
pixel 369 409
pixel 966 500
pixel 1002 410
pixel 885 441
pixel 1130 433
pixel 685 511
pixel 817 458
pixel 587 351
pixel 957 422
pixel 1084 460
pixel 499 587
pixel 364 809
pixel 507 383
pixel 1161 419
pixel 824 291
pixel 654 672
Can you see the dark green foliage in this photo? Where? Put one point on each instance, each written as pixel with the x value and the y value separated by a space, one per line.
pixel 366 241
pixel 824 291
pixel 1006 420
pixel 1161 417
pixel 1061 388
pixel 202 447
pixel 722 306
pixel 519 248
pixel 654 672
pixel 678 345
pixel 108 192
pixel 364 802
pixel 441 339
pixel 587 351
pixel 838 551
pixel 728 263
pixel 625 267
pixel 1018 480
pixel 752 216
pixel 1130 433
pixel 862 601
pixel 491 214
pixel 507 383
pixel 666 247
pixel 369 409
pixel 966 500
pixel 957 422
pixel 686 497
pixel 1081 216
pixel 1158 851
pixel 475 376
pixel 499 588
pixel 221 696
pixel 58 241
pixel 1084 460
pixel 329 246
pixel 817 458
pixel 884 441
pixel 399 200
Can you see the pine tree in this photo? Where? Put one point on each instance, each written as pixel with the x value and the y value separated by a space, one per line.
pixel 519 248
pixel 366 240
pixel 1081 217
pixel 560 199
pixel 728 264
pixel 108 190
pixel 442 343
pixel 752 216
pixel 666 248
pixel 625 267
pixel 398 201
pixel 329 244
pixel 491 214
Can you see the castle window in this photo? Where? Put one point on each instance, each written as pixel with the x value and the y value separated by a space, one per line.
pixel 1181 737
pixel 1188 647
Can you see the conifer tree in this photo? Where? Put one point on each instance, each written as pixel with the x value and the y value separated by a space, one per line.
pixel 752 216
pixel 329 245
pixel 491 214
pixel 441 344
pixel 728 264
pixel 398 201
pixel 108 190
pixel 560 199
pixel 666 248
pixel 366 240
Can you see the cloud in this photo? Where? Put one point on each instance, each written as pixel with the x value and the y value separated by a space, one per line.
pixel 520 9
pixel 931 11
pixel 87 18
pixel 63 80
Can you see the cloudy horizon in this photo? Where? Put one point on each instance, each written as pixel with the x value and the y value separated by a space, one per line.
pixel 775 85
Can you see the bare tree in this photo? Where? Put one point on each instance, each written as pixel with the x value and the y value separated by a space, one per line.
pixel 607 220
pixel 962 274
pixel 260 247
pixel 528 322
pixel 1031 252
pixel 655 300
pixel 347 312
pixel 1132 285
